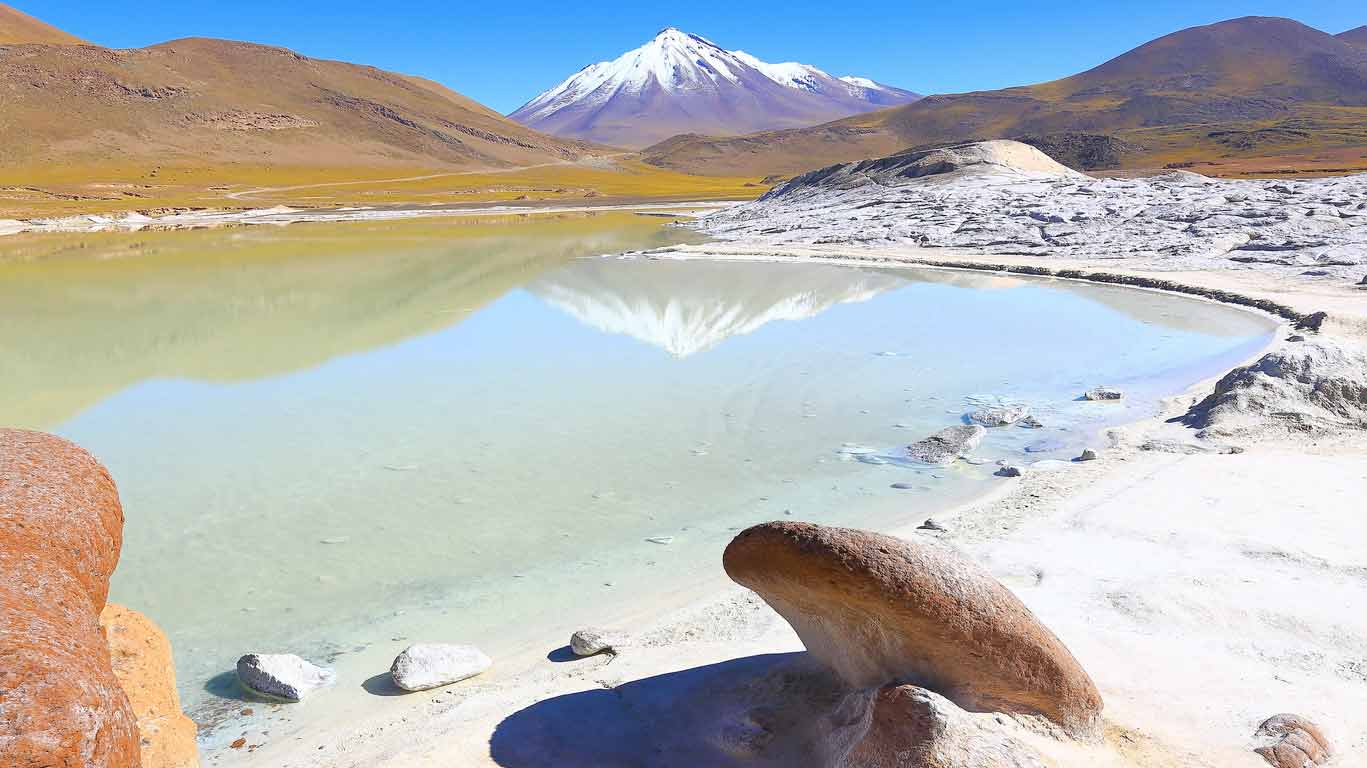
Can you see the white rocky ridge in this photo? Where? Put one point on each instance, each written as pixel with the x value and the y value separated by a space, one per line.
pixel 679 82
pixel 1010 202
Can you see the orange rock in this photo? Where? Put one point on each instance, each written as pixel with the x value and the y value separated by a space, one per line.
pixel 142 661
pixel 1291 741
pixel 61 527
pixel 880 611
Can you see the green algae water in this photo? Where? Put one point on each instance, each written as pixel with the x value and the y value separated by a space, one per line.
pixel 334 440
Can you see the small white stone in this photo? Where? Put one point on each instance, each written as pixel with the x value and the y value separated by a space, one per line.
pixel 592 640
pixel 432 665
pixel 282 675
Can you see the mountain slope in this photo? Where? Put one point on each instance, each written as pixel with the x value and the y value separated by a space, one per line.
pixel 1247 88
pixel 17 27
pixel 221 101
pixel 1357 37
pixel 680 83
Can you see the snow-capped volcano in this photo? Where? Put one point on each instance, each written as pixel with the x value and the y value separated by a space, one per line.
pixel 682 83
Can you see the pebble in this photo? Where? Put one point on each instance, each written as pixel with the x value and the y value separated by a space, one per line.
pixel 594 640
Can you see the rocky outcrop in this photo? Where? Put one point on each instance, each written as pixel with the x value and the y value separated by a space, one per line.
pixel 1103 394
pixel 916 728
pixel 431 665
pixel 1291 741
pixel 879 610
pixel 1316 389
pixel 947 445
pixel 282 675
pixel 61 527
pixel 141 658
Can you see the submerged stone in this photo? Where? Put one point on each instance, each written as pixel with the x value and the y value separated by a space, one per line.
pixel 282 675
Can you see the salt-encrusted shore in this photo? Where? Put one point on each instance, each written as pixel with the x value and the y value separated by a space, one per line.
pixel 1204 570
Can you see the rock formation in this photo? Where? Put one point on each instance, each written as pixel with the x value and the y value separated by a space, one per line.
pixel 1291 741
pixel 879 610
pixel 999 415
pixel 947 445
pixel 142 662
pixel 61 527
pixel 916 728
pixel 1316 389
pixel 60 532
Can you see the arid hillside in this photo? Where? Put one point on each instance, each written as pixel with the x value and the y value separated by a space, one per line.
pixel 18 27
pixel 1243 96
pixel 197 123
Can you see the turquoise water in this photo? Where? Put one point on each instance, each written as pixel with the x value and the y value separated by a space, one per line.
pixel 499 471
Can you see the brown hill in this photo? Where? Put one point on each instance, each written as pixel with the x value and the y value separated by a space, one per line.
pixel 1236 93
pixel 1357 37
pixel 18 27
pixel 220 101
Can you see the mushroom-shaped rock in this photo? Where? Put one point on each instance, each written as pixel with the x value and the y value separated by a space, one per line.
pixel 282 675
pixel 916 728
pixel 61 527
pixel 947 445
pixel 1291 741
pixel 432 665
pixel 593 640
pixel 879 610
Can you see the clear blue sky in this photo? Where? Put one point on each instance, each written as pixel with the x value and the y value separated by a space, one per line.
pixel 503 52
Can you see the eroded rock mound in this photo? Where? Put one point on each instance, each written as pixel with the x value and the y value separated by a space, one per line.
pixel 142 661
pixel 1317 389
pixel 61 527
pixel 879 610
pixel 916 728
pixel 1000 157
pixel 1291 741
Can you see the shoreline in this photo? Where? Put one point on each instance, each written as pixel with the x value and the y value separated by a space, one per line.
pixel 284 215
pixel 710 621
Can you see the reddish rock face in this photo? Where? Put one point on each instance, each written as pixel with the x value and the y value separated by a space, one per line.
pixel 142 662
pixel 882 611
pixel 61 527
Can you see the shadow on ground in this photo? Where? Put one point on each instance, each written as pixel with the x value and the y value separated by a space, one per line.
pixel 769 710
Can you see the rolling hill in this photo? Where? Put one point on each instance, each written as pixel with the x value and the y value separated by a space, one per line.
pixel 199 122
pixel 1357 37
pixel 680 82
pixel 1237 96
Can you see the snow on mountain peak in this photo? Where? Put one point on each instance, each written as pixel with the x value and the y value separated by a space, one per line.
pixel 672 75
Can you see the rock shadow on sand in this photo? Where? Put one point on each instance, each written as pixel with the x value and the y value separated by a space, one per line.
pixel 767 710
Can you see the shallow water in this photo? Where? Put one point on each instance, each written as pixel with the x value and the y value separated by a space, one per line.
pixel 336 440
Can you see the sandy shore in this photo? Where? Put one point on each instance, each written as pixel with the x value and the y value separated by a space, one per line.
pixel 1202 592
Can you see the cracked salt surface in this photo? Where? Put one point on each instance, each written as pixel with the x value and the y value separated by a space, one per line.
pixel 1172 221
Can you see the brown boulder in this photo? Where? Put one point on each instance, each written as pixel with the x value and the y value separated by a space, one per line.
pixel 142 661
pixel 882 611
pixel 916 728
pixel 61 526
pixel 1291 741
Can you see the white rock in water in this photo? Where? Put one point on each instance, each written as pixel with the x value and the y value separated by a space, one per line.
pixel 432 665
pixel 592 640
pixel 999 416
pixel 282 675
pixel 1087 455
pixel 1104 393
pixel 947 445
